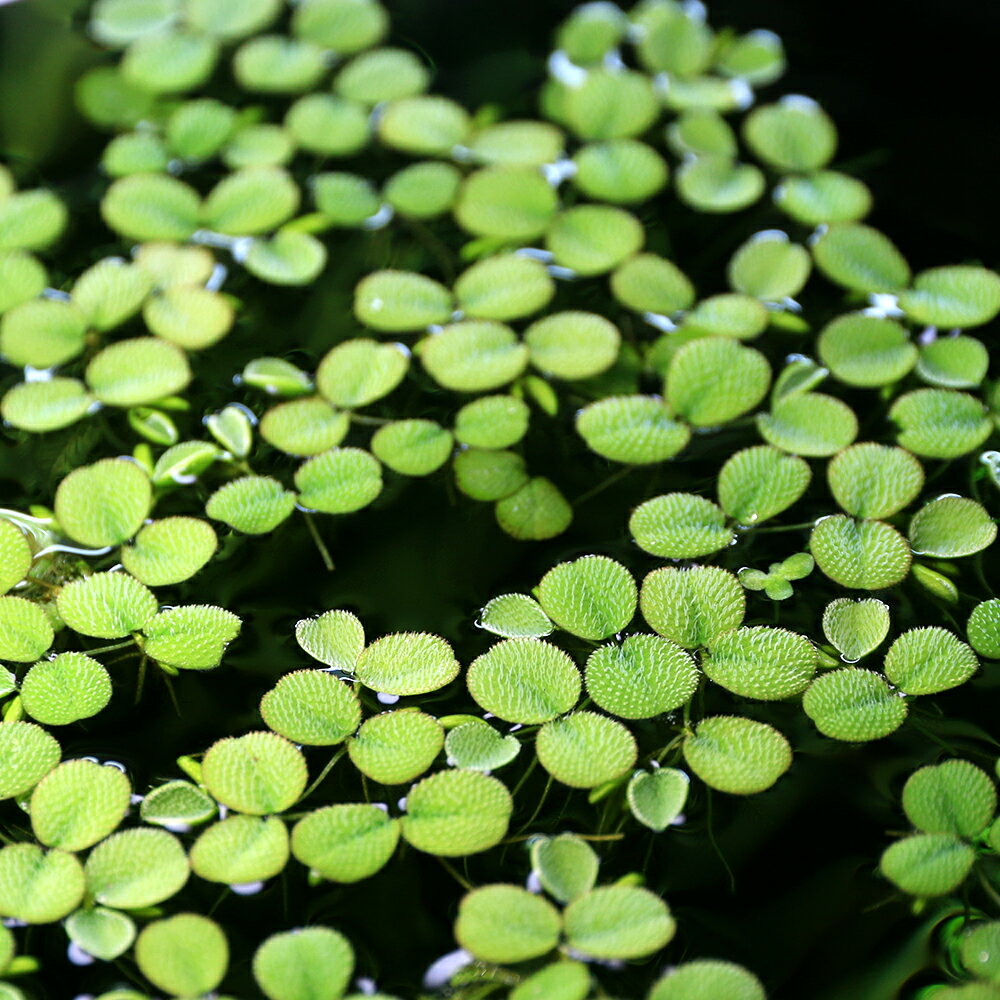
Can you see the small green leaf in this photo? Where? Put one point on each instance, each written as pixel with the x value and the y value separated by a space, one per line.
pixel 647 283
pixel 65 689
pixel 611 105
pixel 396 747
pixel 104 503
pixel 862 555
pixel 251 201
pixel 535 511
pixel 984 629
pixel 637 430
pixel 515 616
pixel 46 406
pixel 241 849
pixel 493 475
pixel 952 797
pixel 31 220
pixel 492 422
pixel 136 868
pixel 856 627
pixel 152 207
pixel 358 372
pixel 310 963
pixel 927 864
pixel 137 371
pixel 874 480
pixel 953 362
pixel 952 297
pixel 621 171
pixel 277 64
pixel 27 754
pixel 423 125
pixel 729 315
pixel 584 749
pixel 406 663
pixel 42 333
pixel 566 866
pixel 190 317
pixel 39 887
pixel 707 979
pixel 656 798
pixel 311 707
pixel 509 203
pixel 769 267
pixel 761 662
pixel 758 483
pixel 106 605
pixel 286 258
pixel 105 934
pixel 714 380
pixel 679 526
pixel 25 630
pixel 185 955
pixel 345 199
pixel 15 555
pixel 423 190
pixel 866 351
pixel 594 239
pixel 809 423
pixel 111 292
pixel 860 258
pixel 572 345
pixel 22 278
pixel 978 951
pixel 345 843
pixel 339 481
pixel 561 980
pixel 254 505
pixel 383 74
pixel 412 447
pixel 176 804
pixel 854 705
pixel 169 62
pixel 477 746
pixel 940 423
pixel 928 660
pixel 169 551
pixel 258 774
pixel 474 356
pixel 191 637
pixel 692 606
pixel 401 301
pixel 328 125
pixel 504 287
pixel 823 197
pixel 717 184
pixel 951 526
pixel 737 755
pixel 618 922
pixel 524 680
pixel 793 136
pixel 591 597
pixel 506 924
pixel 644 676
pixel 335 638
pixel 79 803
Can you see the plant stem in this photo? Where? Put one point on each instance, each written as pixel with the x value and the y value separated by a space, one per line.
pixel 324 552
pixel 604 484
pixel 456 875
pixel 322 774
pixel 111 648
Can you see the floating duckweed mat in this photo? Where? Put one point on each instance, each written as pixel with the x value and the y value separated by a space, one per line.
pixel 423 576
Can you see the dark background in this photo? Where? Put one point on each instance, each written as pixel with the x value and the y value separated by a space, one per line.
pixel 912 90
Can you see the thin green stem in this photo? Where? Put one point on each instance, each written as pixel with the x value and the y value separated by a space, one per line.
pixel 604 484
pixel 324 552
pixel 987 888
pixel 456 875
pixel 111 648
pixel 366 421
pixel 541 802
pixel 776 528
pixel 715 844
pixel 140 679
pixel 322 774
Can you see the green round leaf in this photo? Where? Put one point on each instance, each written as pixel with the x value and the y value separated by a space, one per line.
pixel 254 505
pixel 474 356
pixel 185 955
pixel 611 105
pixel 866 350
pixel 493 475
pixel 423 190
pixel 27 754
pixel 31 220
pixel 339 481
pixel 423 125
pixel 358 372
pixel 524 680
pixel 310 963
pixel 717 184
pixel 536 511
pixel 504 287
pixel 940 423
pixel 105 934
pixel 15 555
pixel 170 61
pixel 952 797
pixel 760 482
pixel 396 747
pixel 769 267
pixel 251 201
pixel 39 887
pixel 618 922
pixel 951 526
pixel 854 705
pixel 679 526
pixel 491 422
pixel 510 203
pixel 761 662
pixel 862 555
pixel 65 689
pixel 275 64
pixel 287 258
pixel 106 605
pixel 737 755
pixel 958 296
pixel 328 125
pixel 707 979
pixel 506 924
pixel 412 447
pixel 515 616
pixel 151 207
pixel 241 849
pixel 477 746
pixel 79 803
pixel 572 345
pixel 809 423
pixel 176 805
pixel 25 630
pixel 382 75
pixel 856 627
pixel 393 301
pixel 561 980
pixel 311 707
pixel 192 637
pixel 860 258
pixel 22 277
pixel 927 864
pixel 593 239
pixel 406 663
pixel 622 171
pixel 647 283
pixel 794 135
pixel 345 843
pixel 656 798
pixel 928 660
pixel 136 868
pixel 516 143
pixel 823 197
pixel 874 480
pixel 984 629
pixel 728 315
pixel 454 813
pixel 335 638
pixel 258 774
pixel 592 597
pixel 637 430
pixel 692 606
pixel 190 317
pixel 714 380
pixel 169 551
pixel 137 371
pixel 42 333
pixel 644 676
pixel 584 749
pixel 104 503
pixel 953 362
pixel 345 199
